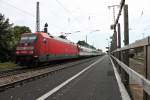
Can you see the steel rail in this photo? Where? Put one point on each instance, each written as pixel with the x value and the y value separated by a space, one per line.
pixel 24 69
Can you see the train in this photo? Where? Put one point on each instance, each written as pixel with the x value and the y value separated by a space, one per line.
pixel 42 47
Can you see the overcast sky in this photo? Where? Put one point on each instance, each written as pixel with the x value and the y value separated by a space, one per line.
pixel 73 15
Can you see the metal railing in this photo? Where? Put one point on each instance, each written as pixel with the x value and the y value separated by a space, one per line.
pixel 123 56
pixel 138 43
pixel 139 78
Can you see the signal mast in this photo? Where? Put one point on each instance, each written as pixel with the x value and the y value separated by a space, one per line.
pixel 37 17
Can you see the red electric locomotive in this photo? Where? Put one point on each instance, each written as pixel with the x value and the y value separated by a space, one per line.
pixel 41 47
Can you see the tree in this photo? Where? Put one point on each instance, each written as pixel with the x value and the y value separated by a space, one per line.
pixel 9 37
pixel 18 30
pixel 5 36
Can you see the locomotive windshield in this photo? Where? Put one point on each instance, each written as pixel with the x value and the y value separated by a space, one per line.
pixel 28 38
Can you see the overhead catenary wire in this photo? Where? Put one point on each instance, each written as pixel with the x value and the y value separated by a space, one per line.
pixel 23 11
pixel 32 15
pixel 66 9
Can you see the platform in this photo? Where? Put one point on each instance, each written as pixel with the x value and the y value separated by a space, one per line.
pixel 95 80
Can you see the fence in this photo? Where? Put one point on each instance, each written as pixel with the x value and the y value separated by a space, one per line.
pixel 133 64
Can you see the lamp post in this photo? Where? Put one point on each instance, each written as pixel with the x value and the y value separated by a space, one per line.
pixel 108 46
pixel 91 32
pixel 86 38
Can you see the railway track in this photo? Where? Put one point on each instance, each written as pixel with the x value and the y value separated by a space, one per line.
pixel 23 69
pixel 20 76
pixel 9 72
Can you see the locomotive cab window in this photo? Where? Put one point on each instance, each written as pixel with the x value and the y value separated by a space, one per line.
pixel 28 38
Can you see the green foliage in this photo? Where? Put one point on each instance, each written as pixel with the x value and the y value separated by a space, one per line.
pixel 7 66
pixel 5 37
pixel 9 37
pixel 17 31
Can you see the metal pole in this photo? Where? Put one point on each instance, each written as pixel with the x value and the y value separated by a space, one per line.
pixel 119 36
pixel 119 41
pixel 114 13
pixel 86 39
pixel 119 45
pixel 37 17
pixel 115 39
pixel 146 64
pixel 121 6
pixel 126 25
pixel 126 33
pixel 126 52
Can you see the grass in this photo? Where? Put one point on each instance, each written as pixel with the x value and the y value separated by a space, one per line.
pixel 7 66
